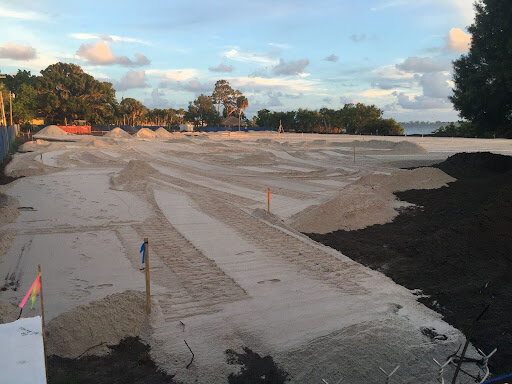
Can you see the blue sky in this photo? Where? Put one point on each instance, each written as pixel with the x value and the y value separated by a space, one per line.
pixel 282 55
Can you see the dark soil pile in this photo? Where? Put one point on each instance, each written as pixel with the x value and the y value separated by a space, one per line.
pixel 255 369
pixel 456 246
pixel 129 362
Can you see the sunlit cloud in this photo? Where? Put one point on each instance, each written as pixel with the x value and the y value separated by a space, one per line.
pixel 251 57
pixel 101 54
pixel 17 52
pixel 458 41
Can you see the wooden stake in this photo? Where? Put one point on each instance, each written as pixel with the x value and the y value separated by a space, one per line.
pixel 268 201
pixel 354 154
pixel 42 163
pixel 148 286
pixel 42 318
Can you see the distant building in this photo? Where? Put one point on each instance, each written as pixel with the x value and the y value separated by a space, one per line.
pixel 186 127
pixel 37 121
pixel 232 121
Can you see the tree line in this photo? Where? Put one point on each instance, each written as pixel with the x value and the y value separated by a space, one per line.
pixel 64 93
pixel 352 118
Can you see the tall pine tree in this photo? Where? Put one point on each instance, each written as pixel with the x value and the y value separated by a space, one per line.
pixel 483 77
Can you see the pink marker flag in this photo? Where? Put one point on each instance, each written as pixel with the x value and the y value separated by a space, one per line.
pixel 33 290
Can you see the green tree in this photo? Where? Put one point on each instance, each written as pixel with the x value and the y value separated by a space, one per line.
pixel 483 77
pixel 202 111
pixel 66 92
pixel 241 103
pixel 355 117
pixel 224 95
pixel 132 111
pixel 24 106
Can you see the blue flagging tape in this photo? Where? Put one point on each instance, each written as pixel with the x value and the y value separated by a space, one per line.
pixel 497 379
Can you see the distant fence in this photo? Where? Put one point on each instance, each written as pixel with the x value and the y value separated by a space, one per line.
pixel 129 128
pixel 7 137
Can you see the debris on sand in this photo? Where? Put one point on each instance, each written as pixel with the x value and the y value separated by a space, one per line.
pixel 255 369
pixel 127 362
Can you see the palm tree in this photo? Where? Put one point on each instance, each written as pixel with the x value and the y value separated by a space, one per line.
pixel 241 103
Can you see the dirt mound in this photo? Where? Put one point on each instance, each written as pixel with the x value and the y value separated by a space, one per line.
pixel 162 133
pixel 134 171
pixel 455 246
pixel 127 362
pixel 51 130
pixel 367 202
pixel 479 164
pixel 96 143
pixel 392 147
pixel 258 158
pixel 145 133
pixel 118 132
pixel 90 329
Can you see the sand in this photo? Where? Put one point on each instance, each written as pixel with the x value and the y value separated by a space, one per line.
pixel 368 201
pixel 163 133
pixel 51 130
pixel 224 274
pixel 118 133
pixel 146 133
pixel 90 329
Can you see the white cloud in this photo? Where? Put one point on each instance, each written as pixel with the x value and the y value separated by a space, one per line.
pixel 291 67
pixel 422 65
pixel 221 68
pixel 23 15
pixel 101 54
pixel 332 58
pixel 174 74
pixel 261 83
pixel 251 57
pixel 17 52
pixel 421 102
pixel 105 37
pixel 458 41
pixel 436 85
pixel 132 79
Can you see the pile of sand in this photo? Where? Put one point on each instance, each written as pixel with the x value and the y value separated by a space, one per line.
pixel 89 329
pixel 134 171
pixel 145 133
pixel 391 147
pixel 31 146
pixel 367 202
pixel 119 133
pixel 51 130
pixel 163 133
pixel 96 143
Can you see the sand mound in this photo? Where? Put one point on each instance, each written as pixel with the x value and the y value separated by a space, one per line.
pixel 31 146
pixel 96 143
pixel 162 132
pixel 400 147
pixel 264 141
pixel 369 201
pixel 135 170
pixel 145 133
pixel 51 130
pixel 91 328
pixel 118 132
pixel 258 158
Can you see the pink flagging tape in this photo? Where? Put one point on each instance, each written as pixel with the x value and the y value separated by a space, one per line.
pixel 29 291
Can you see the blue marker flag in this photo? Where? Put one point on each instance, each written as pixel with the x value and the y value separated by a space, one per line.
pixel 143 251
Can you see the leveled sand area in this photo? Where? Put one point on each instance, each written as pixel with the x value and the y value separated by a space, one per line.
pixel 225 274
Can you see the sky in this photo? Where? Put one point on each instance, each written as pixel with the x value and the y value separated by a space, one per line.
pixel 283 55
